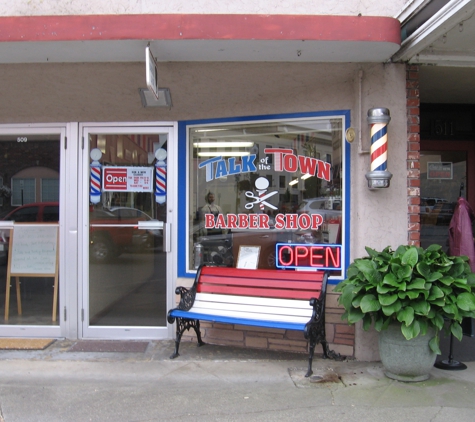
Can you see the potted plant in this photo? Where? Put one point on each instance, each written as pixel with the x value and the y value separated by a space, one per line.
pixel 409 292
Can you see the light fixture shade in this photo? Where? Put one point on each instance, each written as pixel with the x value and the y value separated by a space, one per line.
pixel 148 98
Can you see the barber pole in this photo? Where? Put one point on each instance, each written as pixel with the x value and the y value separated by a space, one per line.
pixel 379 176
pixel 379 146
pixel 261 195
pixel 161 176
pixel 96 173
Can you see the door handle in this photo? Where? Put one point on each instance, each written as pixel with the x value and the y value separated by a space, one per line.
pixel 150 225
pixel 167 229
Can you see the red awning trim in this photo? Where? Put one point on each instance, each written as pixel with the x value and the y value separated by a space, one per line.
pixel 199 27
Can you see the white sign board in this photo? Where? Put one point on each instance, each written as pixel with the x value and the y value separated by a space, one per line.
pixel 127 179
pixel 151 73
pixel 248 257
pixel 34 249
pixel 440 170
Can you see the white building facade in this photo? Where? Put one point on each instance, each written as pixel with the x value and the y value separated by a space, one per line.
pixel 236 82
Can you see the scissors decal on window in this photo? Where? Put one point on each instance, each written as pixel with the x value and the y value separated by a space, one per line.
pixel 261 188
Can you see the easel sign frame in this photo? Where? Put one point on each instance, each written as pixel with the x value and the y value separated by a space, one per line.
pixel 33 252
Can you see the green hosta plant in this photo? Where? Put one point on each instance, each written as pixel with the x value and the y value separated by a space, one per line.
pixel 419 288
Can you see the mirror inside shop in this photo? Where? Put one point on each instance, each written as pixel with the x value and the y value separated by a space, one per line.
pixel 263 184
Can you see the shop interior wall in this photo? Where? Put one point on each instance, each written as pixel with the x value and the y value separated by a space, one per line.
pixel 88 92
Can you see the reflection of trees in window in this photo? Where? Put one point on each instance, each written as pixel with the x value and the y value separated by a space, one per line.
pixel 244 185
pixel 313 187
pixel 270 159
pixel 281 181
pixel 269 178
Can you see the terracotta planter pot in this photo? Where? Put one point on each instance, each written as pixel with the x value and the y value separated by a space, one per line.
pixel 406 360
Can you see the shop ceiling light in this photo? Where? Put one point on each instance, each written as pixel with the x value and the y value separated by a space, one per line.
pixel 148 98
pixel 293 182
pixel 230 144
pixel 223 153
pixel 208 130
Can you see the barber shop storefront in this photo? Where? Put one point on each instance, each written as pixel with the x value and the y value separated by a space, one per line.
pixel 114 192
pixel 274 186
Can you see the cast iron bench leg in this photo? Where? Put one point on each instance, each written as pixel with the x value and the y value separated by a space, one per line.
pixel 181 326
pixel 312 344
pixel 198 333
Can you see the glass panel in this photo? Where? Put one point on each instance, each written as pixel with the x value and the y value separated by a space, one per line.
pixel 443 181
pixel 26 161
pixel 23 191
pixel 127 265
pixel 260 184
pixel 50 190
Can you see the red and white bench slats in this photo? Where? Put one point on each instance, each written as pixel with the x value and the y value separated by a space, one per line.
pixel 292 300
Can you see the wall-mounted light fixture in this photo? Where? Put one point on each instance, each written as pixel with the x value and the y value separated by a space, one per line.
pixel 148 98
pixel 379 176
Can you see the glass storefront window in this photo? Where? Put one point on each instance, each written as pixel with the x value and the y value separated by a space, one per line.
pixel 264 183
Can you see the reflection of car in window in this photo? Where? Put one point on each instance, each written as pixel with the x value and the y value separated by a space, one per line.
pixel 30 213
pixel 126 212
pixel 105 242
pixel 444 213
pixel 439 215
pixel 328 208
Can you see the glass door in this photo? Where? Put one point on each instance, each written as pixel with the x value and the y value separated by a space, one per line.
pixel 30 207
pixel 447 173
pixel 126 238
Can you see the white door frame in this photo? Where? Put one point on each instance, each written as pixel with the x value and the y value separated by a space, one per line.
pixel 67 229
pixel 126 332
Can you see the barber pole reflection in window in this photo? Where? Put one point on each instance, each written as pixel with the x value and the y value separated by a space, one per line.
pixel 96 173
pixel 161 176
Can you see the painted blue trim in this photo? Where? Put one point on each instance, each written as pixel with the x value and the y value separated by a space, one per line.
pixel 182 189
pixel 176 313
pixel 182 180
pixel 347 155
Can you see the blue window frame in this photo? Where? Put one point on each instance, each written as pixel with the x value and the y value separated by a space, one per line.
pixel 225 200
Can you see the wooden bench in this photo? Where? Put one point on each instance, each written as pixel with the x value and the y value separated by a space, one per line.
pixel 288 300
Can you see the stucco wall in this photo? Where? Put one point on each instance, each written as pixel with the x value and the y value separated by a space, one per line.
pixel 109 92
pixel 375 214
pixel 379 217
pixel 88 7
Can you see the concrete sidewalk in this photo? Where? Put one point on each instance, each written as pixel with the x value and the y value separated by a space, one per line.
pixel 218 383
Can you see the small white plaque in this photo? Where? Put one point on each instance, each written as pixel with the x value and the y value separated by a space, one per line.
pixel 248 257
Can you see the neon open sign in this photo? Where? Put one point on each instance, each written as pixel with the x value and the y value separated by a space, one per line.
pixel 314 256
